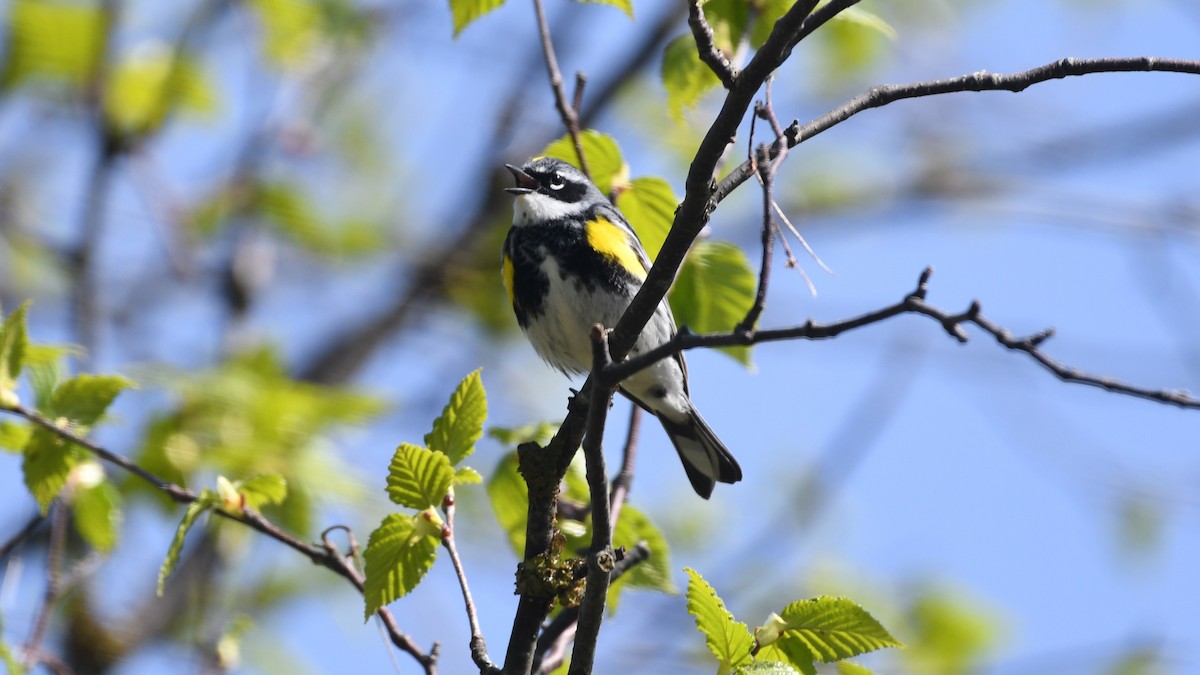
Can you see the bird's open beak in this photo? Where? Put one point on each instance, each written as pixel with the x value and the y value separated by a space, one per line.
pixel 525 182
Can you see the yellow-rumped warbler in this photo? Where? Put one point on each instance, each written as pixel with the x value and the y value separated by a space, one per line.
pixel 570 261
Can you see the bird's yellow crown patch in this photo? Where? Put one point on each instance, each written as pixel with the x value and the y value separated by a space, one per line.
pixel 613 243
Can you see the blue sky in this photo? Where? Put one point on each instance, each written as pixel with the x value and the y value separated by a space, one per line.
pixel 974 469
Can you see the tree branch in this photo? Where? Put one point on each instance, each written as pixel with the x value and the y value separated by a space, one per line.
pixel 32 648
pixel 14 541
pixel 569 113
pixel 886 94
pixel 709 54
pixel 552 645
pixel 913 303
pixel 600 559
pixel 326 556
pixel 478 646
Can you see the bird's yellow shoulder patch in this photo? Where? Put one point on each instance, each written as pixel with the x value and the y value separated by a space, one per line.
pixel 508 272
pixel 613 243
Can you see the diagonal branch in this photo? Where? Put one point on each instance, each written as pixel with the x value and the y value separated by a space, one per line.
pixel 913 303
pixel 325 555
pixel 886 94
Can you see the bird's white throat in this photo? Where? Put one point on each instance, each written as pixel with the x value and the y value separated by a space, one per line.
pixel 536 208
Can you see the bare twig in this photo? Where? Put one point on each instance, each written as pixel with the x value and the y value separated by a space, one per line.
pixel 709 54
pixel 478 645
pixel 914 303
pixel 766 175
pixel 600 560
pixel 343 566
pixel 569 113
pixel 54 559
pixel 21 535
pixel 624 479
pixel 886 94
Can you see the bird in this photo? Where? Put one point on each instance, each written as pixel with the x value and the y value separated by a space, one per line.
pixel 571 261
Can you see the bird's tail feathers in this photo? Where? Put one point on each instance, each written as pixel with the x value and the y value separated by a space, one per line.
pixel 705 458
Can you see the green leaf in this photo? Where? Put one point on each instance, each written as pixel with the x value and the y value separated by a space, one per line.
pixel 623 5
pixel 862 18
pixel 466 11
pixel 770 12
pixel 14 436
pixel 791 650
pixel 45 366
pixel 510 500
pixel 835 628
pixel 152 81
pixel 418 477
pixel 84 398
pixel 291 27
pixel 96 511
pixel 52 41
pixel 633 526
pixel 13 342
pixel 714 291
pixel 48 460
pixel 684 76
pixel 728 20
pixel 286 208
pixel 538 432
pixel 649 205
pixel 949 633
pixel 851 43
pixel 765 668
pixel 204 502
pixel 263 489
pixel 608 170
pixel 465 475
pixel 461 422
pixel 852 668
pixel 398 555
pixel 730 641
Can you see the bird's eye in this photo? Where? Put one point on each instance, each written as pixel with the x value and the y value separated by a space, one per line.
pixel 557 182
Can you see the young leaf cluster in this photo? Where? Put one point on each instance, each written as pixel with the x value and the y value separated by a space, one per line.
pixel 231 497
pixel 404 546
pixel 822 629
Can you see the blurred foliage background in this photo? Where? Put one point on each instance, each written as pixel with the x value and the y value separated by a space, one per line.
pixel 282 218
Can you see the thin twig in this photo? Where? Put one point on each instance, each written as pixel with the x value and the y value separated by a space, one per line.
pixel 577 97
pixel 342 565
pixel 600 560
pixel 914 303
pixel 54 556
pixel 709 54
pixel 569 113
pixel 624 479
pixel 478 646
pixel 886 94
pixel 21 535
pixel 178 493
